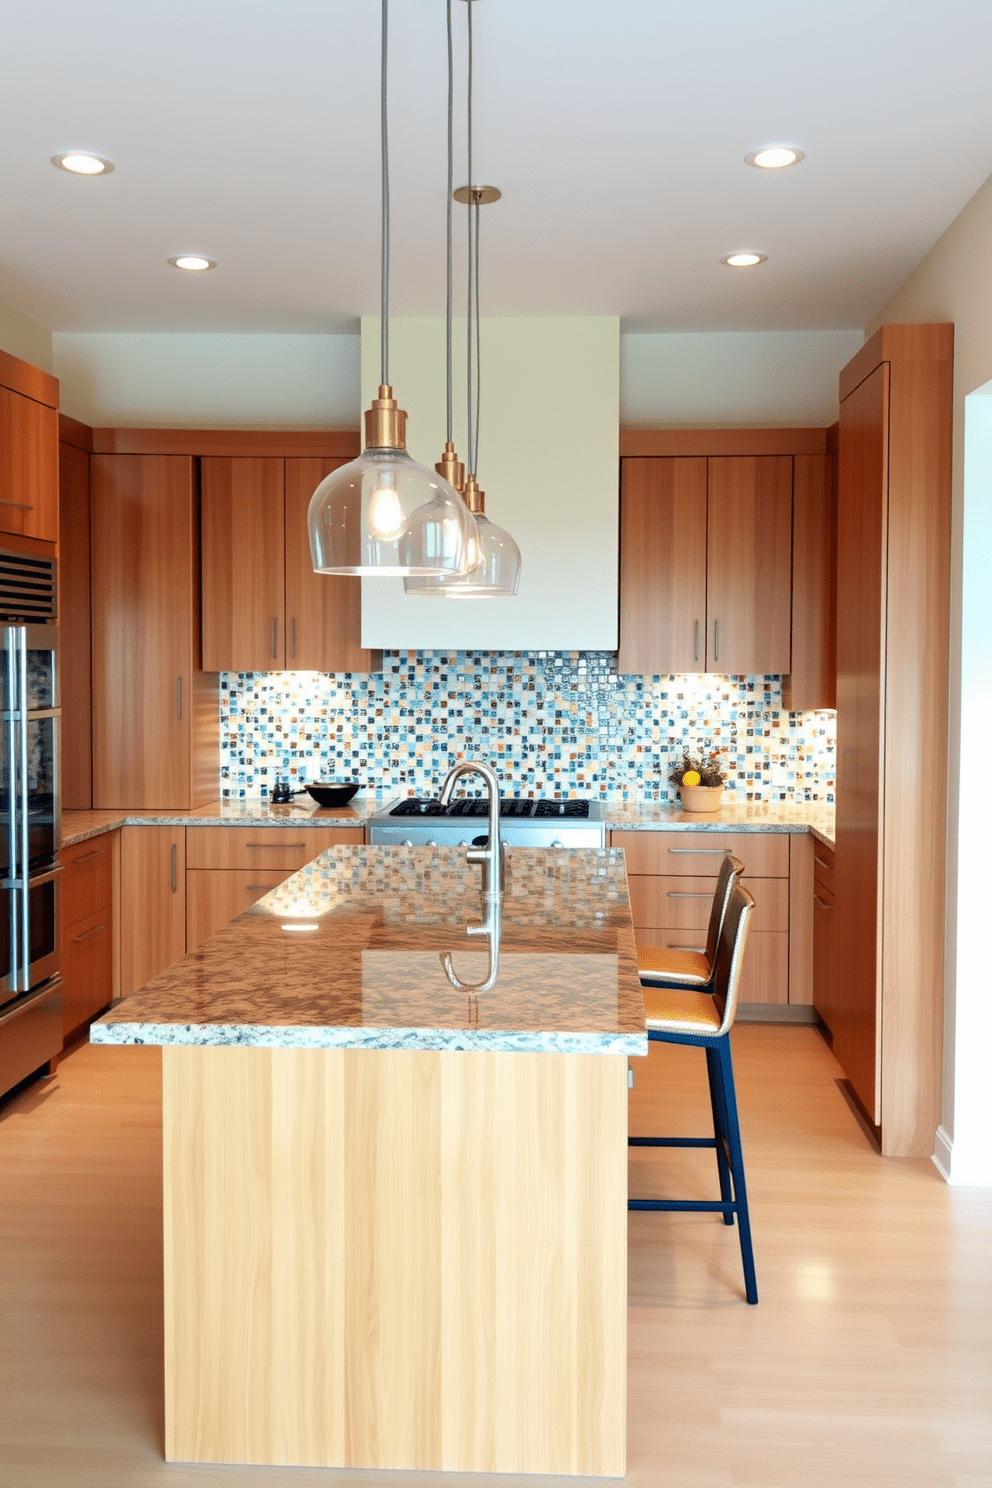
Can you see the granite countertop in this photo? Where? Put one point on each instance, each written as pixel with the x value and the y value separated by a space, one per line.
pixel 625 816
pixel 366 971
pixel 78 826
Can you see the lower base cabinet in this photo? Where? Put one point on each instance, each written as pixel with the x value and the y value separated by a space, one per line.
pixel 87 929
pixel 153 902
pixel 824 935
pixel 671 877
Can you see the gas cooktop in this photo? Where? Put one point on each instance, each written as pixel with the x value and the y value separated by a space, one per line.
pixel 516 808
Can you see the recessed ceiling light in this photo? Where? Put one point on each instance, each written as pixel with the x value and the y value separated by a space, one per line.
pixel 193 263
pixel 743 259
pixel 83 164
pixel 775 157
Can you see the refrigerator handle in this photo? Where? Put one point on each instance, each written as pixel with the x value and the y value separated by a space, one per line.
pixel 14 901
pixel 23 807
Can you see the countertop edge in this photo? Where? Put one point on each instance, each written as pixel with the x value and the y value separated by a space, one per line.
pixel 311 1036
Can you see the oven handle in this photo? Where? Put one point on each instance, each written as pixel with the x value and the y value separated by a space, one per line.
pixel 23 806
pixel 38 881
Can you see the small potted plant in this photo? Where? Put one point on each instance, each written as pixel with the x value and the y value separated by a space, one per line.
pixel 700 781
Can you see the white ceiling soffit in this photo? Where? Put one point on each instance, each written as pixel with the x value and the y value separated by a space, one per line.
pixel 248 131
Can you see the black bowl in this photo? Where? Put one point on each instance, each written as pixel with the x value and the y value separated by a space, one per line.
pixel 334 792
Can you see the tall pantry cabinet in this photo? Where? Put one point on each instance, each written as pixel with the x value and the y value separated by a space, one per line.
pixel 883 1005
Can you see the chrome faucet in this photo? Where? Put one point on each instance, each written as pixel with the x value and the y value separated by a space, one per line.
pixel 490 856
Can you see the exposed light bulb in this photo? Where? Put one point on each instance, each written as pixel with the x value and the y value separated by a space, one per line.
pixel 385 510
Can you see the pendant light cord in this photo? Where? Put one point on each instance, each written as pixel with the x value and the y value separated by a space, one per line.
pixel 451 185
pixel 476 208
pixel 471 181
pixel 384 148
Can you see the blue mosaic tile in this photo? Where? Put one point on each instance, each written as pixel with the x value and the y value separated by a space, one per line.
pixel 553 723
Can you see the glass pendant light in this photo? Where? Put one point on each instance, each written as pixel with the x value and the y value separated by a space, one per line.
pixel 497 569
pixel 384 513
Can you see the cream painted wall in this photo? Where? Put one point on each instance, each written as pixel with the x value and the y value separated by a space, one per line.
pixel 209 381
pixel 25 338
pixel 954 282
pixel 733 379
pixel 548 460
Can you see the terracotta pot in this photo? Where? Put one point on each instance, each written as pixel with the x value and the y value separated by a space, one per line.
pixel 701 799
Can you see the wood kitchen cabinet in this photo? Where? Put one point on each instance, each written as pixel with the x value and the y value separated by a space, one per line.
pixel 87 929
pixel 893 581
pixel 74 617
pixel 29 485
pixel 230 868
pixel 264 608
pixel 671 877
pixel 825 987
pixel 155 712
pixel 812 681
pixel 153 903
pixel 706 564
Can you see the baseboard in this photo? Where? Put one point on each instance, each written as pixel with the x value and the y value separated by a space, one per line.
pixel 942 1154
pixel 775 1012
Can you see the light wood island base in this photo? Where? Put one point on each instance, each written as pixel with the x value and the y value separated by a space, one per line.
pixel 396 1259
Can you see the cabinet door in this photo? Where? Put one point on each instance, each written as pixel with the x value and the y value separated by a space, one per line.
pixel 861 545
pixel 749 565
pixel 214 897
pixel 812 683
pixel 87 951
pixel 153 902
pixel 141 516
pixel 74 613
pixel 243 605
pixel 29 479
pixel 662 566
pixel 824 955
pixel 323 611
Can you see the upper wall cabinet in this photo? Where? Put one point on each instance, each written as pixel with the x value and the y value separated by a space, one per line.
pixel 264 608
pixel 29 485
pixel 706 565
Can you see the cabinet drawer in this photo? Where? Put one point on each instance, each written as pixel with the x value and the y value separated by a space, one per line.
pixel 675 903
pixel 86 880
pixel 87 951
pixel 823 865
pixel 263 847
pixel 765 976
pixel 764 854
pixel 215 897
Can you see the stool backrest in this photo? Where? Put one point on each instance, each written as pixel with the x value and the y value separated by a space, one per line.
pixel 730 871
pixel 730 954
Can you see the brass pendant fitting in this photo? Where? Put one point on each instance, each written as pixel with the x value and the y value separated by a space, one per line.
pixel 385 422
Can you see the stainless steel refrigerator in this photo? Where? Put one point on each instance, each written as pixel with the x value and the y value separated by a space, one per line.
pixel 30 825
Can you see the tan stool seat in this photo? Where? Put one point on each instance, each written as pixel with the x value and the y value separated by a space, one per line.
pixel 681 1012
pixel 674 965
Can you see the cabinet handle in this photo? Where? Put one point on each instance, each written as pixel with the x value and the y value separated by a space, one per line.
pixel 263 888
pixel 822 903
pixel 672 945
pixel 695 641
pixel 21 505
pixel 716 640
pixel 99 852
pixel 278 847
pixel 77 939
pixel 292 637
pixel 828 866
pixel 273 639
pixel 673 894
pixel 173 867
pixel 695 852
pixel 179 697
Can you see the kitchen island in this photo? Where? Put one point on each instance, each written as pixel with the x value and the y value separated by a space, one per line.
pixel 395 1203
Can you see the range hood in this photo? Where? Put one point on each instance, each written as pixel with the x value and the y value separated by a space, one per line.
pixel 548 462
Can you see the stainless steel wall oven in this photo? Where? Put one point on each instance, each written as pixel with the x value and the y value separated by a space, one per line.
pixel 30 825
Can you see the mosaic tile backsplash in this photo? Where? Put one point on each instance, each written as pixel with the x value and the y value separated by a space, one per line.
pixel 553 723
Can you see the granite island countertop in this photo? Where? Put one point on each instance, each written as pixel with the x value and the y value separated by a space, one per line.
pixel 348 954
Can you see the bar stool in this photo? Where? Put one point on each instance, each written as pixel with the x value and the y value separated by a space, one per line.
pixel 703 1020
pixel 672 966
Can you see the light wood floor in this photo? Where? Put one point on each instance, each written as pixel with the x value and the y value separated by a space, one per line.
pixel 867 1361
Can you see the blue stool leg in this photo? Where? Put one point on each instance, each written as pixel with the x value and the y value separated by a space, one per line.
pixel 726 1069
pixel 719 1128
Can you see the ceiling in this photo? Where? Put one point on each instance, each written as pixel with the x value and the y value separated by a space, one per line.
pixel 616 129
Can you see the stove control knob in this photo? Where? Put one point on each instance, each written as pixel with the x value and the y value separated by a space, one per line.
pixel 432 843
pixel 557 843
pixel 407 842
pixel 464 842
